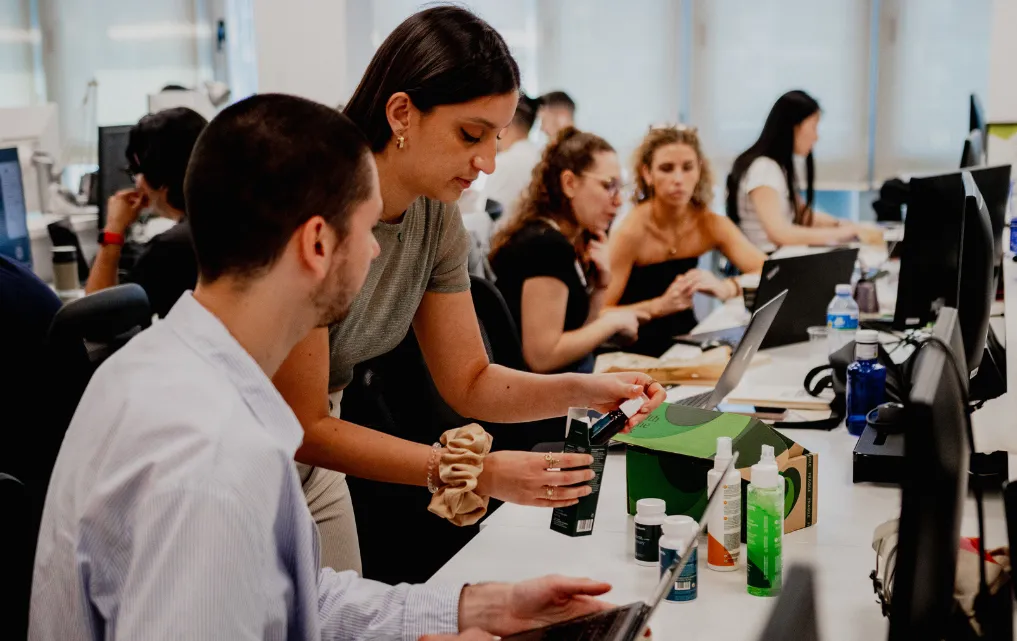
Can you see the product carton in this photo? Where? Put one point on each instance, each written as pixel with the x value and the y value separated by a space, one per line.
pixel 670 452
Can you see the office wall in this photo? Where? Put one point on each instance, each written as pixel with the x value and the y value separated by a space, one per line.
pixel 18 40
pixel 130 49
pixel 301 48
pixel 1002 104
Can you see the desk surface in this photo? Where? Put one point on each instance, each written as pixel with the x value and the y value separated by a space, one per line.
pixel 516 542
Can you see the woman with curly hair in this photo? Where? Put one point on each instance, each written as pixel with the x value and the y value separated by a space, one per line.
pixel 655 250
pixel 551 258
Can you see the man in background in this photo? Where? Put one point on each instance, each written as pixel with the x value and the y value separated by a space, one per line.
pixel 557 111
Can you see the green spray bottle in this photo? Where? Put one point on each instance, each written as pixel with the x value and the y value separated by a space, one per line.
pixel 765 526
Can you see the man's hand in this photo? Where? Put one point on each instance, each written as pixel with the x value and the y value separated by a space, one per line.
pixel 504 609
pixel 123 209
pixel 605 392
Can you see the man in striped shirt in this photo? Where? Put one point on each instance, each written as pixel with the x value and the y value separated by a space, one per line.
pixel 174 510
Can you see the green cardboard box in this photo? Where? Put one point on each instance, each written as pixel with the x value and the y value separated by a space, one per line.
pixel 670 452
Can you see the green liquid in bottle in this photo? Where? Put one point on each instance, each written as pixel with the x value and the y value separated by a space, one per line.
pixel 765 539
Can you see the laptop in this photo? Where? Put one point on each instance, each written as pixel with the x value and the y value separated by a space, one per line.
pixel 753 336
pixel 810 281
pixel 626 623
pixel 794 616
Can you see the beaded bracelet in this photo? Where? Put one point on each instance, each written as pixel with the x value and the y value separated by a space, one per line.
pixel 432 468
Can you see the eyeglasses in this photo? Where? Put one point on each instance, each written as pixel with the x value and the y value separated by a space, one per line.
pixel 612 186
pixel 676 126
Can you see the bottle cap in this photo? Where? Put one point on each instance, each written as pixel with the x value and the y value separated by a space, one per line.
pixel 843 290
pixel 633 405
pixel 866 336
pixel 765 473
pixel 723 455
pixel 651 506
pixel 681 526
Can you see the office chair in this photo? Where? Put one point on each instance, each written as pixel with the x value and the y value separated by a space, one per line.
pixel 494 209
pixel 103 321
pixel 62 234
pixel 497 327
pixel 504 346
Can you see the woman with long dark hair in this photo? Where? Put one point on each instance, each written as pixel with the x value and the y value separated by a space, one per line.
pixel 432 102
pixel 763 189
pixel 655 251
pixel 551 257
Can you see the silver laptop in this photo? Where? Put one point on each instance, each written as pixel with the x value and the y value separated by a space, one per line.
pixel 626 623
pixel 741 358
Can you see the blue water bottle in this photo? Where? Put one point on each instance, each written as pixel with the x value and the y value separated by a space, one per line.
pixel 866 381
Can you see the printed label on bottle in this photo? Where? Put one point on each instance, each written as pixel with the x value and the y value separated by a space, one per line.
pixel 842 321
pixel 684 588
pixel 723 547
pixel 647 542
pixel 866 351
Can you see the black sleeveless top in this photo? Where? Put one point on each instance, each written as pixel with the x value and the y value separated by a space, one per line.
pixel 650 281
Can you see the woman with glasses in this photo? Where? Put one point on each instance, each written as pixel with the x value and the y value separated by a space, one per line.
pixel 551 258
pixel 158 149
pixel 655 251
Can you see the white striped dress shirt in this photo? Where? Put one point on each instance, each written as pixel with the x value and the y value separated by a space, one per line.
pixel 175 511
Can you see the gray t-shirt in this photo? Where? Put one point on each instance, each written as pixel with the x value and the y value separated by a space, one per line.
pixel 426 251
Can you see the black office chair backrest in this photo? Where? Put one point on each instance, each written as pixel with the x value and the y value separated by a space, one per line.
pixel 104 321
pixel 62 234
pixel 497 327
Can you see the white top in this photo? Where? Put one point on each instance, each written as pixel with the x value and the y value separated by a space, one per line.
pixel 175 510
pixel 513 169
pixel 763 172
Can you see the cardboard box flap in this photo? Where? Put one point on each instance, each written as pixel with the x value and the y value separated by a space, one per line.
pixel 689 431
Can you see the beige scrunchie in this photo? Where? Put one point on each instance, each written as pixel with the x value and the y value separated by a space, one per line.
pixel 458 469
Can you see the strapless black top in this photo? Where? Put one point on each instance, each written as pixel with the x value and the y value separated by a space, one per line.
pixel 650 281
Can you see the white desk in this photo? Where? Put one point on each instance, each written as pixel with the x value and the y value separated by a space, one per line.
pixel 84 225
pixel 516 542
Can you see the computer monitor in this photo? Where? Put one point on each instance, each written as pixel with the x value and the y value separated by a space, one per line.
pixel 977 282
pixel 112 175
pixel 931 250
pixel 933 492
pixel 33 130
pixel 974 150
pixel 976 116
pixel 994 185
pixel 14 239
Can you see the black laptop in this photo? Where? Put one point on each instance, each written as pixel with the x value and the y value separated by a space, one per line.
pixel 626 623
pixel 811 282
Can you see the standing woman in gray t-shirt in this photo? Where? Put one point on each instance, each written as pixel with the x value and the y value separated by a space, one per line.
pixel 432 102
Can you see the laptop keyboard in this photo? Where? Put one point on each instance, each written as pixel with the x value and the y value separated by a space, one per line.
pixel 699 401
pixel 586 629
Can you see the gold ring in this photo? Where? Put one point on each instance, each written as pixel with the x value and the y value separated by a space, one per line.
pixel 552 462
pixel 550 492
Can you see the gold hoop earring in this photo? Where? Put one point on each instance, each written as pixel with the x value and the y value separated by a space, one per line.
pixel 400 142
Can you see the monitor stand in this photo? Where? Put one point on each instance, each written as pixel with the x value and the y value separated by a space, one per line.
pixel 879 452
pixel 879 456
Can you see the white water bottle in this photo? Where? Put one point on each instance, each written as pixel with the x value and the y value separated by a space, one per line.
pixel 841 319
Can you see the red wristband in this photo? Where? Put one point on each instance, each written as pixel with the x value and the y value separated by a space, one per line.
pixel 111 238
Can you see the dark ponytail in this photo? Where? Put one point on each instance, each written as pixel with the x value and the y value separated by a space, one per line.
pixel 440 56
pixel 777 141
